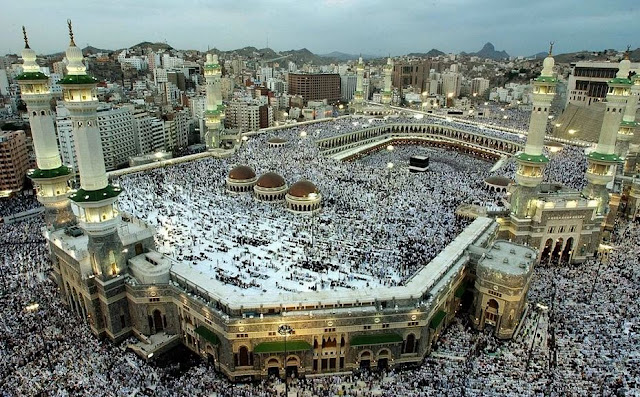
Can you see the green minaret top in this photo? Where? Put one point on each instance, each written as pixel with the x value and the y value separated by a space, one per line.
pixel 77 72
pixel 30 69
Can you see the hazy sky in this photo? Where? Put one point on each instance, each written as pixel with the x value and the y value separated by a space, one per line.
pixel 521 27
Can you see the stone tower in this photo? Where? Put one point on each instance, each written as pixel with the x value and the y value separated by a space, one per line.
pixel 387 93
pixel 531 161
pixel 51 178
pixel 628 124
pixel 95 201
pixel 214 110
pixel 603 161
pixel 358 95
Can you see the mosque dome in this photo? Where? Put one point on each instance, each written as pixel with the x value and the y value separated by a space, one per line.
pixel 302 189
pixel 241 173
pixel 270 180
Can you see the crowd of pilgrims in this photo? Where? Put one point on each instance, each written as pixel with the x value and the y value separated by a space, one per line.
pixel 368 211
pixel 580 336
pixel 17 203
pixel 371 228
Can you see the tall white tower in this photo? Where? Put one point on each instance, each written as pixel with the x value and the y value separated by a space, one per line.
pixel 214 110
pixel 603 161
pixel 51 178
pixel 628 125
pixel 531 161
pixel 387 93
pixel 358 95
pixel 95 201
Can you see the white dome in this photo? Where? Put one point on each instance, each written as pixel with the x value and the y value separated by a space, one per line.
pixel 74 56
pixel 547 66
pixel 29 61
pixel 624 69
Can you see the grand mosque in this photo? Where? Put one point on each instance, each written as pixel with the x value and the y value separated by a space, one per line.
pixel 111 271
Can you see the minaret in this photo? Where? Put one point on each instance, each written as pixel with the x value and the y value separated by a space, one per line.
pixel 51 178
pixel 214 112
pixel 603 161
pixel 358 95
pixel 531 161
pixel 387 93
pixel 95 201
pixel 628 124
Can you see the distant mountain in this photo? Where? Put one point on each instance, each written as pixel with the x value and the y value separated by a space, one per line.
pixel 432 53
pixel 90 50
pixel 539 55
pixel 489 52
pixel 339 56
pixel 154 46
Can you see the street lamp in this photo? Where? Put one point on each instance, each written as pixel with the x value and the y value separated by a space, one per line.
pixel 390 148
pixel 389 167
pixel 33 308
pixel 285 330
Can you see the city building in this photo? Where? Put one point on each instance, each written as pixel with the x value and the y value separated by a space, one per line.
pixel 411 74
pixel 587 82
pixel 14 161
pixel 479 86
pixel 347 86
pixel 149 132
pixel 176 130
pixel 117 130
pixel 117 134
pixel 315 86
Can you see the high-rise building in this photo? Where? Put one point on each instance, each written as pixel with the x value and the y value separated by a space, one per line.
pixel 176 130
pixel 64 132
pixel 14 160
pixel 347 86
pixel 479 86
pixel 411 73
pixel 587 83
pixel 117 134
pixel 315 86
pixel 451 84
pixel 4 82
pixel 245 115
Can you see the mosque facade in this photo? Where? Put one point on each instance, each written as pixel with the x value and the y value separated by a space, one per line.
pixel 109 272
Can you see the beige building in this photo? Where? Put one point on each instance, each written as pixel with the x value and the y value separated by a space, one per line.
pixel 14 161
pixel 503 274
